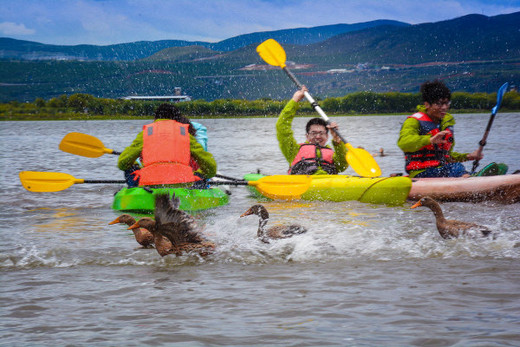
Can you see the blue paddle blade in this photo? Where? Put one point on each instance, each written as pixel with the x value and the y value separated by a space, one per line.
pixel 500 95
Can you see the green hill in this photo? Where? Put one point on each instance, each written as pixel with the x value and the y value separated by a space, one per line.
pixel 177 54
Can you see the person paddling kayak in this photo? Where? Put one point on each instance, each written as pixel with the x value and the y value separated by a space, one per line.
pixel 312 157
pixel 427 137
pixel 180 159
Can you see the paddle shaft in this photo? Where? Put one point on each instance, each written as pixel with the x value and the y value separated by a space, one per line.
pixel 104 181
pixel 482 143
pixel 313 102
pixel 212 183
pixel 494 111
pixel 215 183
pixel 231 183
pixel 230 178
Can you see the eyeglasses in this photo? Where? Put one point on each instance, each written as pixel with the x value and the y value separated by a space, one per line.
pixel 442 103
pixel 316 133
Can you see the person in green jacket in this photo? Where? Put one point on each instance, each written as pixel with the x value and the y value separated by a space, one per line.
pixel 129 158
pixel 427 140
pixel 313 157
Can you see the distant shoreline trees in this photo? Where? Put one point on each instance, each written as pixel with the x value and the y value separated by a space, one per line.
pixel 86 106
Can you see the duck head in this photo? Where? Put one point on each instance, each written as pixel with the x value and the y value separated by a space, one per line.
pixel 259 210
pixel 147 223
pixel 123 219
pixel 425 201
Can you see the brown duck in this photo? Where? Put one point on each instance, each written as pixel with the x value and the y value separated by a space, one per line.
pixel 450 228
pixel 380 153
pixel 142 236
pixel 274 232
pixel 177 226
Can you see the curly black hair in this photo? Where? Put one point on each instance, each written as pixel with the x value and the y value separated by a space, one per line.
pixel 433 91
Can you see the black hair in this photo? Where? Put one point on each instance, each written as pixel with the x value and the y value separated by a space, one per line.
pixel 433 91
pixel 316 121
pixel 169 111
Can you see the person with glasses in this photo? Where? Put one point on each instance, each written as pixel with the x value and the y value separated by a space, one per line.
pixel 427 140
pixel 314 156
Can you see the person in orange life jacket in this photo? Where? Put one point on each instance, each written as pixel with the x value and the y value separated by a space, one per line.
pixel 202 162
pixel 313 157
pixel 427 138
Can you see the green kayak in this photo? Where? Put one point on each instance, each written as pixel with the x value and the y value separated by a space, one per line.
pixel 380 190
pixel 142 199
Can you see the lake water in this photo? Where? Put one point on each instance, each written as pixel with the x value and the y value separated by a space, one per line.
pixel 364 275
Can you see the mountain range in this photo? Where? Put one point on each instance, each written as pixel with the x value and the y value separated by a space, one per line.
pixel 28 50
pixel 474 53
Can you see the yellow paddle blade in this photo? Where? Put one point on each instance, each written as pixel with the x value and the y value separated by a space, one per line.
pixel 35 181
pixel 272 53
pixel 284 187
pixel 84 145
pixel 362 162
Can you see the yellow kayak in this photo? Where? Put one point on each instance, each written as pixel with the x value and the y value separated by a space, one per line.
pixel 380 190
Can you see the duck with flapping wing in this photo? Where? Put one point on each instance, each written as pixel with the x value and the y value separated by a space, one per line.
pixel 175 225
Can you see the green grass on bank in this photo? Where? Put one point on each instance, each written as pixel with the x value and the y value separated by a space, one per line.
pixel 83 117
pixel 88 107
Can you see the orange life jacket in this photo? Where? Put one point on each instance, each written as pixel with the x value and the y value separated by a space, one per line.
pixel 307 161
pixel 166 154
pixel 430 155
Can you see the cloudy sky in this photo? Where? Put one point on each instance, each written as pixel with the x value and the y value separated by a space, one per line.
pixel 103 22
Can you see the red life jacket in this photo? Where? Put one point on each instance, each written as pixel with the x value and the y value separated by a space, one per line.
pixel 307 161
pixel 430 155
pixel 166 154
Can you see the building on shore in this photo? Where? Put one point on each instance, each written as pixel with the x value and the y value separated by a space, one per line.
pixel 177 97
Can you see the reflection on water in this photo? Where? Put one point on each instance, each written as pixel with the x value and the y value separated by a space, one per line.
pixel 82 281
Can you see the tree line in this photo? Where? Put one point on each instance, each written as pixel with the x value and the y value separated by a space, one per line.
pixel 85 106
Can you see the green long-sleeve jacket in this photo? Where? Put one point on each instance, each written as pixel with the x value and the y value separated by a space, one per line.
pixel 410 140
pixel 290 147
pixel 207 164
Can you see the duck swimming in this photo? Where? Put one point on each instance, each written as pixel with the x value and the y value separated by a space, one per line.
pixel 450 228
pixel 177 226
pixel 142 235
pixel 274 232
